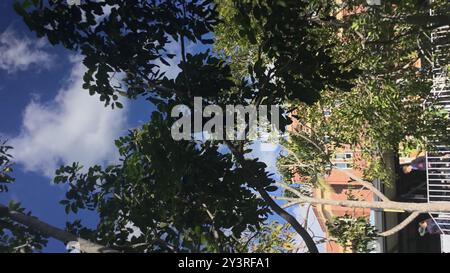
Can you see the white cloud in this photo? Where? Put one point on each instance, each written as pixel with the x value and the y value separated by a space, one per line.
pixel 18 54
pixel 73 127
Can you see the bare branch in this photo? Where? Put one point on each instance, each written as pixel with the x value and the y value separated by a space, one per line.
pixel 401 225
pixel 366 184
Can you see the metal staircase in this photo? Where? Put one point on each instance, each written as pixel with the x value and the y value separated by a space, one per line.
pixel 438 159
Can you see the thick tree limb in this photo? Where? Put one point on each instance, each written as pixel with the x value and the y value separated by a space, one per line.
pixel 51 231
pixel 383 205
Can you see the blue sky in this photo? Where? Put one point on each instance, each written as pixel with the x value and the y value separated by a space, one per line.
pixel 50 120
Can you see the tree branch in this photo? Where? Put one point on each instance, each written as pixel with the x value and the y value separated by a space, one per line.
pixel 366 184
pixel 51 231
pixel 401 225
pixel 382 205
pixel 276 208
pixel 291 220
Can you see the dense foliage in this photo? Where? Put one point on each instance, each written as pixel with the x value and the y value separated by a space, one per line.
pixel 389 112
pixel 355 234
pixel 14 237
pixel 186 194
pixel 190 196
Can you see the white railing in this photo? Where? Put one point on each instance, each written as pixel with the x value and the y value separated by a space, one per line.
pixel 438 160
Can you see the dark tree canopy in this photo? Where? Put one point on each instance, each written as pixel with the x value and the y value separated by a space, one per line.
pixel 190 195
pixel 133 36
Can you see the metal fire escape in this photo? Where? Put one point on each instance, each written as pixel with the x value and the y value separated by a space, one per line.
pixel 438 159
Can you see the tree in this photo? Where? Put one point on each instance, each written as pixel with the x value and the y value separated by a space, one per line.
pixel 165 195
pixel 292 61
pixel 353 233
pixel 273 238
pixel 385 109
pixel 384 115
pixel 19 230
pixel 14 237
pixel 131 41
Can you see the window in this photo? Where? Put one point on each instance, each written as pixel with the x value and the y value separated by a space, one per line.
pixel 343 165
pixel 348 155
pixel 340 156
